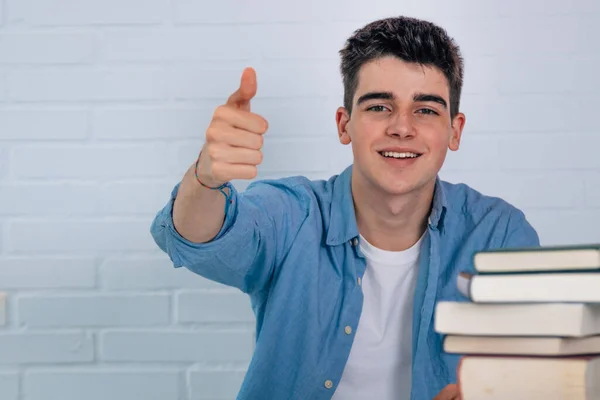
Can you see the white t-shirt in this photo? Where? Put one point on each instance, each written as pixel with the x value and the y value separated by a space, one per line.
pixel 379 365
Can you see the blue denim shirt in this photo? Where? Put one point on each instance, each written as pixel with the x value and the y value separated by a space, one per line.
pixel 291 244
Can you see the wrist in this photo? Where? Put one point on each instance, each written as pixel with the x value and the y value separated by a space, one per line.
pixel 206 181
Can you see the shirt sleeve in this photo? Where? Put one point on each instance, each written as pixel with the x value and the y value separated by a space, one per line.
pixel 259 227
pixel 520 233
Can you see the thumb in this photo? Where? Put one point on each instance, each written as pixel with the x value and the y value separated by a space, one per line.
pixel 247 90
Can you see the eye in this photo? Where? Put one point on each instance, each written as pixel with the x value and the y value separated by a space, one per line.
pixel 427 111
pixel 378 108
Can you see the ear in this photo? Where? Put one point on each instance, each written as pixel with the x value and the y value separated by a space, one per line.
pixel 458 123
pixel 342 117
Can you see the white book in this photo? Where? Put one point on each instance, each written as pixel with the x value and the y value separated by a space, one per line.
pixel 532 287
pixel 542 319
pixel 521 345
pixel 523 378
pixel 546 258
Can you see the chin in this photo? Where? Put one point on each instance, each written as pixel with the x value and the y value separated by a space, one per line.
pixel 398 188
pixel 400 185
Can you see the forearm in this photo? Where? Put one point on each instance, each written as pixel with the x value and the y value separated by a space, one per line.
pixel 198 212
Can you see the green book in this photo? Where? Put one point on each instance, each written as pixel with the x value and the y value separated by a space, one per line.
pixel 538 259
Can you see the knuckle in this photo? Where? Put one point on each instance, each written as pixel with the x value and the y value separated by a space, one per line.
pixel 220 112
pixel 213 152
pixel 253 172
pixel 211 133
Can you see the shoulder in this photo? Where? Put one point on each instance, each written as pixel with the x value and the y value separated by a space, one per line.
pixel 464 200
pixel 297 189
pixel 502 221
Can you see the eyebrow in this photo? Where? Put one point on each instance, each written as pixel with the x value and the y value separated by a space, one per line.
pixel 418 97
pixel 424 97
pixel 375 96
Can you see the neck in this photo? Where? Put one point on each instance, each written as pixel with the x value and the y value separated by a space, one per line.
pixel 391 222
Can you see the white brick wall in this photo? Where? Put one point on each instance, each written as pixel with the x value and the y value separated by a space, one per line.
pixel 103 105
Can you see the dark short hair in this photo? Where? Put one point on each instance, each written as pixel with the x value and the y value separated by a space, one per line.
pixel 409 39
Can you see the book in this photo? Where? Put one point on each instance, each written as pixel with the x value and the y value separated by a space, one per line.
pixel 531 287
pixel 525 378
pixel 541 319
pixel 522 345
pixel 549 258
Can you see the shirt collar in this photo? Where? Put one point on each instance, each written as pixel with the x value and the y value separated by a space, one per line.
pixel 342 218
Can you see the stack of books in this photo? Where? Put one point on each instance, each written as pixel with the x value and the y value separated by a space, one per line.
pixel 529 327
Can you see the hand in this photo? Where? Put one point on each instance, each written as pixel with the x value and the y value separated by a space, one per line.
pixel 450 392
pixel 233 138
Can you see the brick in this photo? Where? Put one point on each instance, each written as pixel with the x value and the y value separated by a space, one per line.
pixel 176 346
pixel 500 114
pixel 102 383
pixel 295 156
pixel 232 12
pixel 3 88
pixel 94 310
pixel 510 76
pixel 592 190
pixel 449 12
pixel 434 10
pixel 36 124
pixel 47 273
pixel 315 40
pixel 92 12
pixel 76 237
pixel 214 385
pixel 34 48
pixel 150 273
pixel 475 153
pixel 3 307
pixel 531 189
pixel 182 44
pixel 477 79
pixel 523 37
pixel 55 347
pixel 276 78
pixel 23 199
pixel 134 198
pixel 561 227
pixel 85 199
pixel 548 7
pixel 213 307
pixel 551 151
pixel 89 162
pixel 4 155
pixel 288 117
pixel 151 123
pixel 9 385
pixel 134 83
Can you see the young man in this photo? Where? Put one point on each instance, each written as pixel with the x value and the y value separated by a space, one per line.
pixel 344 274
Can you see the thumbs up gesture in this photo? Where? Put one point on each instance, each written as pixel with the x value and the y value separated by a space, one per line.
pixel 234 138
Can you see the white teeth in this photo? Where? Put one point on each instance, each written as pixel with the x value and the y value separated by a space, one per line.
pixel 399 155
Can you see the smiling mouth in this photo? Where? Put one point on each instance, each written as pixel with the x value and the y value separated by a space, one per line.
pixel 399 156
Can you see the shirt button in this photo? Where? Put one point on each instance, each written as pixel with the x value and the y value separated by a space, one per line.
pixel 328 384
pixel 354 242
pixel 358 281
pixel 348 330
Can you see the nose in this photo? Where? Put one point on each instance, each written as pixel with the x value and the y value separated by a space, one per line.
pixel 401 125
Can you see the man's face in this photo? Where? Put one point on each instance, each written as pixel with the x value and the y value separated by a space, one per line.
pixel 400 127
